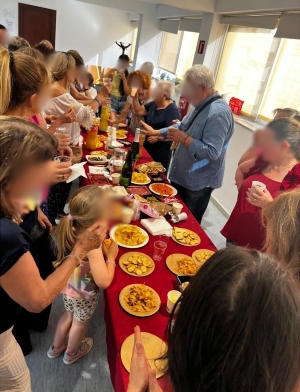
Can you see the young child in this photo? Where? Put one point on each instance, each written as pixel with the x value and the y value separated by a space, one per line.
pixel 87 206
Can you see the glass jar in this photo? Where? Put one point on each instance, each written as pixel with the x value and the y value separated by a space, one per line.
pixel 117 161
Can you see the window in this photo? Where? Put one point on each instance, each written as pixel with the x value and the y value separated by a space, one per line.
pixel 260 70
pixel 177 52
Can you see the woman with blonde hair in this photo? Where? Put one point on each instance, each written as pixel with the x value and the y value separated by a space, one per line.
pixel 81 294
pixel 282 222
pixel 26 167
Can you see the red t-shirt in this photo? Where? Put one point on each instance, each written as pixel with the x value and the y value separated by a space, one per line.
pixel 244 226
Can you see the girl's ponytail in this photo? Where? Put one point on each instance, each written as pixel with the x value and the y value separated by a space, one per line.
pixel 64 236
pixel 6 62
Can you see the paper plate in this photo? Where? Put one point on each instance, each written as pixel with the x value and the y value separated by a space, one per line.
pixel 187 231
pixel 112 235
pixel 200 252
pixel 174 190
pixel 154 348
pixel 126 256
pixel 143 313
pixel 172 262
pixel 141 183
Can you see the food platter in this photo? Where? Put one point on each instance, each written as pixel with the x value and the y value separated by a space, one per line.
pixel 155 188
pixel 143 256
pixel 154 348
pixel 143 232
pixel 203 255
pixel 172 263
pixel 134 174
pixel 185 237
pixel 142 313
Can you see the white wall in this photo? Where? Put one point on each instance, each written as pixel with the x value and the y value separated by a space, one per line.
pixel 90 29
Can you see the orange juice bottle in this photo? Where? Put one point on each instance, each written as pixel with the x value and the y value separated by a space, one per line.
pixel 104 117
pixel 92 138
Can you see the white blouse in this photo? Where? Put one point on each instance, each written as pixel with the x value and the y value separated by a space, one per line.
pixel 84 114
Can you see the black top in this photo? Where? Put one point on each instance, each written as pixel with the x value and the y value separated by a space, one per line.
pixel 158 119
pixel 14 243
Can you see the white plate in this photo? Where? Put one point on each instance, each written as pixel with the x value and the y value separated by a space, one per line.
pixel 102 162
pixel 112 235
pixel 141 183
pixel 173 194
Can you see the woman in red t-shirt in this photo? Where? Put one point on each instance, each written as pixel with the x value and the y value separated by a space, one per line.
pixel 278 168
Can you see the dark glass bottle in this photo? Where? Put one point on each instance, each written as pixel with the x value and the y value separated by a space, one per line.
pixel 126 174
pixel 135 147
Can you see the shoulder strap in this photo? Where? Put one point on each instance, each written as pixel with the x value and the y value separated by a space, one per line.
pixel 213 99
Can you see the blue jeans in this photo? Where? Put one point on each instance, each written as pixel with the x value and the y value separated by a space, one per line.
pixel 117 103
pixel 196 201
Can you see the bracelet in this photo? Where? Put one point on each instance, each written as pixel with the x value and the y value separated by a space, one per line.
pixel 97 100
pixel 111 262
pixel 74 257
pixel 185 139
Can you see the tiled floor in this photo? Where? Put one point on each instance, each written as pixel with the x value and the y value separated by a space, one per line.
pixel 92 372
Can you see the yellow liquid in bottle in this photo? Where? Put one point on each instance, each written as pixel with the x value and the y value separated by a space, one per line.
pixel 104 117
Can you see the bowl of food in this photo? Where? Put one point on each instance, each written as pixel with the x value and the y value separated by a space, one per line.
pixel 97 160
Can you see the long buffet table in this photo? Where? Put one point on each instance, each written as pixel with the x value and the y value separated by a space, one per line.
pixel 119 324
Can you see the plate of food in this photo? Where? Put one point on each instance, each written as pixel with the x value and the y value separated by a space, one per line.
pixel 138 190
pixel 181 264
pixel 102 138
pixel 139 300
pixel 120 134
pixel 202 255
pixel 136 264
pixel 121 125
pixel 140 179
pixel 150 168
pixel 104 153
pixel 164 190
pixel 154 348
pixel 98 179
pixel 185 237
pixel 129 236
pixel 97 160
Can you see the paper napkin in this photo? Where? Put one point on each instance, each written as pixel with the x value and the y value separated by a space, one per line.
pixel 77 171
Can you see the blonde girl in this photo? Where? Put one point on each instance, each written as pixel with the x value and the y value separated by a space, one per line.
pixel 88 205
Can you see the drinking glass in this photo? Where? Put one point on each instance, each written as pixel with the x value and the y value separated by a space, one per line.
pixel 106 81
pixel 159 249
pixel 63 159
pixel 63 131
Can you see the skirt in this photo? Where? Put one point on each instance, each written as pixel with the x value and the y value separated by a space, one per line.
pixel 14 373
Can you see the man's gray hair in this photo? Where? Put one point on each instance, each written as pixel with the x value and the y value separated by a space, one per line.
pixel 201 75
pixel 168 87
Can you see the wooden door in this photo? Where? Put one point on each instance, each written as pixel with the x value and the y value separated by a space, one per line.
pixel 37 23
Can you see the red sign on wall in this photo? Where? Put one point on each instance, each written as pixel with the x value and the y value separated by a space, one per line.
pixel 201 47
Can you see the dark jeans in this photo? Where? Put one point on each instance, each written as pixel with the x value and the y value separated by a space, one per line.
pixel 196 201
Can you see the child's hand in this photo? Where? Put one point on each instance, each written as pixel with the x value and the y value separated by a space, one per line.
pixel 110 253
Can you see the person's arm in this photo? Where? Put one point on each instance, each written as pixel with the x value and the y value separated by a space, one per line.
pixel 32 292
pixel 78 96
pixel 252 151
pixel 103 273
pixel 139 109
pixel 65 118
pixel 241 170
pixel 123 116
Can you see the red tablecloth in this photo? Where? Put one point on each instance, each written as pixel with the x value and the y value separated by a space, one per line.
pixel 119 324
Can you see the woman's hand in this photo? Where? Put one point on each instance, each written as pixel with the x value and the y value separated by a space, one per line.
pixel 44 221
pixel 50 118
pixel 122 75
pixel 63 140
pixel 105 101
pixel 176 121
pixel 258 197
pixel 90 239
pixel 138 378
pixel 68 117
pixel 61 171
pixel 105 91
pixel 152 139
pixel 149 131
pixel 176 135
pixel 110 253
